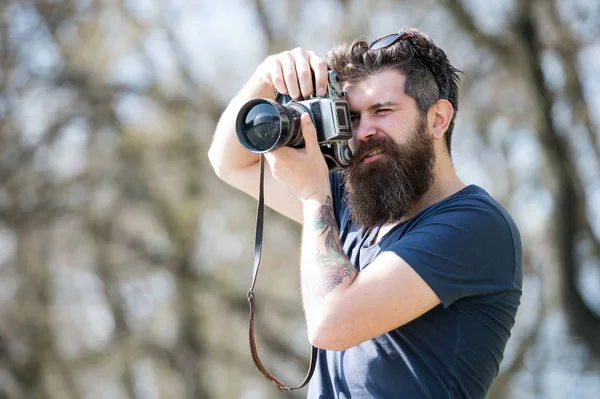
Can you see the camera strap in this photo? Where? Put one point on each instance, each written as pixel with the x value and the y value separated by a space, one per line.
pixel 257 253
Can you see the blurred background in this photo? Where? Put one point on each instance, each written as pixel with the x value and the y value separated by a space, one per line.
pixel 124 262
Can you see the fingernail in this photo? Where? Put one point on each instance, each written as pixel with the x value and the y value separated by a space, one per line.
pixel 321 91
pixel 307 120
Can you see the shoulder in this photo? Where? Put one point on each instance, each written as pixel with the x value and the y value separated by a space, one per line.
pixel 465 244
pixel 469 225
pixel 473 208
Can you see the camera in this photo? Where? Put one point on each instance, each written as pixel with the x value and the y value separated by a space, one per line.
pixel 264 125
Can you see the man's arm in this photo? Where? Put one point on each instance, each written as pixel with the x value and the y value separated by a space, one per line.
pixel 240 168
pixel 289 73
pixel 344 308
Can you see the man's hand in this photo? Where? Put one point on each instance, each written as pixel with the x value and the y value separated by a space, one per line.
pixel 289 73
pixel 303 171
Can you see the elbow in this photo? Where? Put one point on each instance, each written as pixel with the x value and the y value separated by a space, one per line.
pixel 329 337
pixel 332 327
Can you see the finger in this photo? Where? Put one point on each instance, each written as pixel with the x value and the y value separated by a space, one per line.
pixel 309 133
pixel 275 74
pixel 305 79
pixel 288 67
pixel 320 69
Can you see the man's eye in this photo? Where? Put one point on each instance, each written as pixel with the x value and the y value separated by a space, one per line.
pixel 383 110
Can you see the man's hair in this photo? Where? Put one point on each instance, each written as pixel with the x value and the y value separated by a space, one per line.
pixel 355 61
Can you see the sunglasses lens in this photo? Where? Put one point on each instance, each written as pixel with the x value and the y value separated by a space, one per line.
pixel 384 41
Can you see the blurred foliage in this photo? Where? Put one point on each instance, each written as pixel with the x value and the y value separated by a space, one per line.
pixel 124 262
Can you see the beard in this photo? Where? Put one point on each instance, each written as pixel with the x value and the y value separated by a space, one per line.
pixel 383 191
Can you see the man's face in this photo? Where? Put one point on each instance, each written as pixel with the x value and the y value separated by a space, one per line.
pixel 393 154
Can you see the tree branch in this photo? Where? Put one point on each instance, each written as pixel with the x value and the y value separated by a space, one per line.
pixel 499 47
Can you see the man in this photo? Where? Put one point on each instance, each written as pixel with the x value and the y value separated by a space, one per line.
pixel 411 280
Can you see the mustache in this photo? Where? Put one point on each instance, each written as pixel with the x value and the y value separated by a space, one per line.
pixel 381 143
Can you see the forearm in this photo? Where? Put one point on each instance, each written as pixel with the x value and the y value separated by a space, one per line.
pixel 226 153
pixel 326 271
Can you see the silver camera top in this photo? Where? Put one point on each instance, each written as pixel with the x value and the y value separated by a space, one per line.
pixel 334 86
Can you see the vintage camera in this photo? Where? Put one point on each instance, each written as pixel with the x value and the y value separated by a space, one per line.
pixel 263 125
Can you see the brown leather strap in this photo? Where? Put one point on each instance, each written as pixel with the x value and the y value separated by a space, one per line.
pixel 257 253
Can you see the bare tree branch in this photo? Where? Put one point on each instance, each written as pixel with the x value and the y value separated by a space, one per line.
pixel 499 47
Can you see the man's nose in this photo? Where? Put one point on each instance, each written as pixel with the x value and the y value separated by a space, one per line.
pixel 363 130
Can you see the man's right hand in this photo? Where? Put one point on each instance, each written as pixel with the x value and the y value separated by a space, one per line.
pixel 289 73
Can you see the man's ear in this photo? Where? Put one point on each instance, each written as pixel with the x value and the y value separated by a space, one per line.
pixel 440 114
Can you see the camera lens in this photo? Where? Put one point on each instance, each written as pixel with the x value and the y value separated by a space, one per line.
pixel 264 125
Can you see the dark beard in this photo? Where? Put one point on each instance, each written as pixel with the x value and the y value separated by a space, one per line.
pixel 383 191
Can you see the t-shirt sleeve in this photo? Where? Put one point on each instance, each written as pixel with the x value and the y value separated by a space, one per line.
pixel 464 249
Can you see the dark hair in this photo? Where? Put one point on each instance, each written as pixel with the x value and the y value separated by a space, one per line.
pixel 355 62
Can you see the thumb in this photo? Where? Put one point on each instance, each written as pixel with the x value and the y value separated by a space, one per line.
pixel 309 132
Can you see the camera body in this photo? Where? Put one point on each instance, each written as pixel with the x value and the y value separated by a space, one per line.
pixel 263 125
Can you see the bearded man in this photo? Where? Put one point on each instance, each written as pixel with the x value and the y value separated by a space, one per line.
pixel 411 279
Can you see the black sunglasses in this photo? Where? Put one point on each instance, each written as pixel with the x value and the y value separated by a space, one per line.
pixel 388 40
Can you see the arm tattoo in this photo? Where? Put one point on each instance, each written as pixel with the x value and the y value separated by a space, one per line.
pixel 331 262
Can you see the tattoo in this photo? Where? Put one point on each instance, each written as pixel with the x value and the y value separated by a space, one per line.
pixel 333 264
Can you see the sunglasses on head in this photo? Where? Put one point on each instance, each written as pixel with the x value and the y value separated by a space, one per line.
pixel 389 40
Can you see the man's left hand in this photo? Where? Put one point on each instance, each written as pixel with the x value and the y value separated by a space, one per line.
pixel 302 170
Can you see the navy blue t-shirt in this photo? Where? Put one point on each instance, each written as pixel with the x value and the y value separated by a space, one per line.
pixel 468 250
